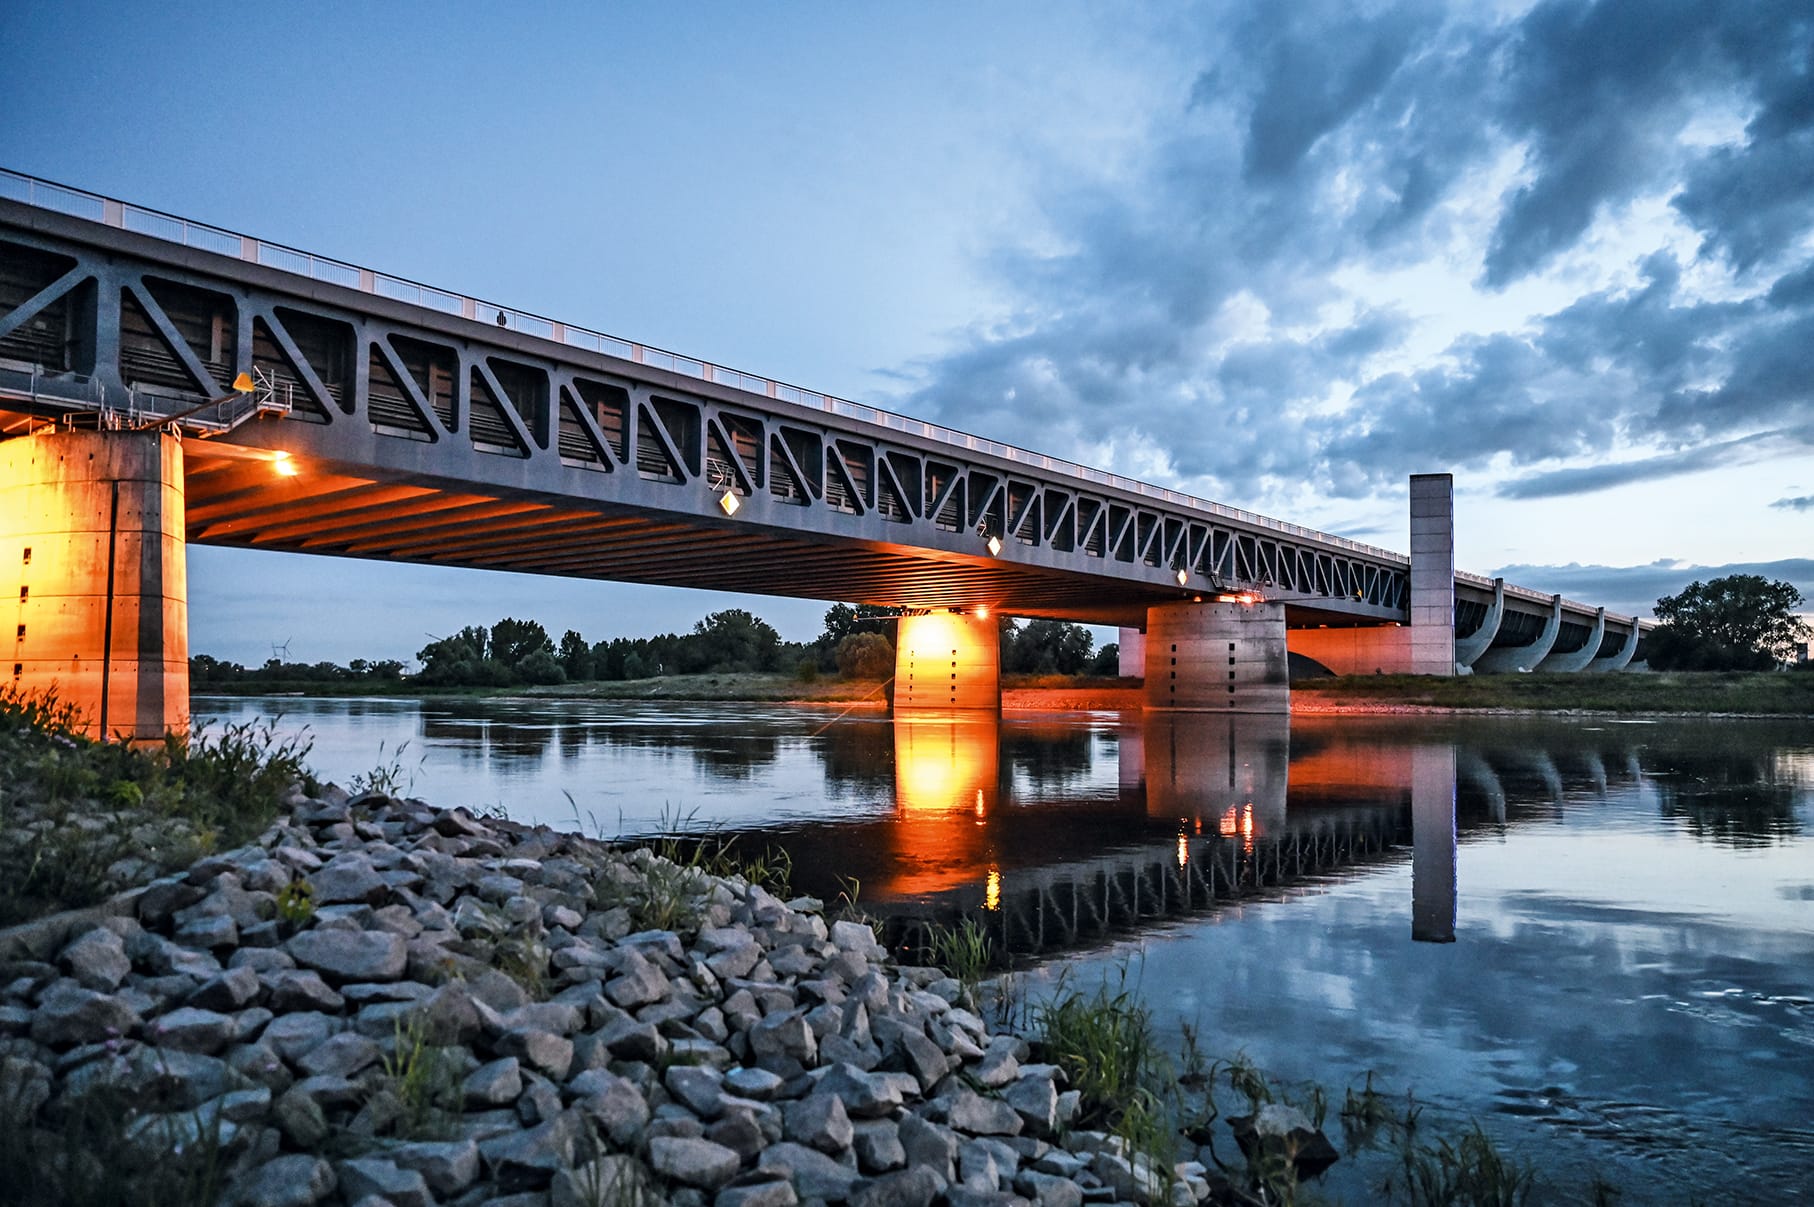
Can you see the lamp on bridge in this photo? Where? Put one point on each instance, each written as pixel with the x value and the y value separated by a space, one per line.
pixel 728 501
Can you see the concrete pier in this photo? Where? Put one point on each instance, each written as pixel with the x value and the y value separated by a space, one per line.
pixel 947 660
pixel 1432 574
pixel 1217 656
pixel 92 548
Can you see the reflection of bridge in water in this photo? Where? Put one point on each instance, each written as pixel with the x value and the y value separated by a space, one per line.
pixel 1214 812
pixel 1057 832
pixel 1075 902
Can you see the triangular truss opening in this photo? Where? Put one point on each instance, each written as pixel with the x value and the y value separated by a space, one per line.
pixel 490 431
pixel 208 323
pixel 785 482
pixel 388 405
pixel 147 359
pixel 269 358
pixel 46 338
pixel 435 370
pixel 576 445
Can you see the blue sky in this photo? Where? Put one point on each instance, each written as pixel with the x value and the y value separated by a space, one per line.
pixel 1280 255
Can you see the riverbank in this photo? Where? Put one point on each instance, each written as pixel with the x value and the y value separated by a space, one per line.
pixel 1699 693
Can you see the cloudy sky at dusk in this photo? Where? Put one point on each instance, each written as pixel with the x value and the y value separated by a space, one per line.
pixel 1279 255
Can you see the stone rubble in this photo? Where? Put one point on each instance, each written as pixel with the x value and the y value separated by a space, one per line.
pixel 762 1055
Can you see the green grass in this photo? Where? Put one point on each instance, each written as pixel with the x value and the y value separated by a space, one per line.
pixel 1105 1043
pixel 79 1153
pixel 74 811
pixel 964 951
pixel 426 1083
pixel 1787 693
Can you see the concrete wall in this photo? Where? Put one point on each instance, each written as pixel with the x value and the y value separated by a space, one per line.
pixel 1217 657
pixel 92 559
pixel 1132 653
pixel 1359 651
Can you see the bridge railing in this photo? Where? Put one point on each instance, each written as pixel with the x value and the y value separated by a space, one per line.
pixel 80 203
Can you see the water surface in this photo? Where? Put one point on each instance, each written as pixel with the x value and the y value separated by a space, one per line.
pixel 1595 937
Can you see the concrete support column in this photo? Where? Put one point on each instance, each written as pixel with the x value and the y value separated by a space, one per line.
pixel 1373 650
pixel 1217 657
pixel 1132 648
pixel 92 554
pixel 1620 658
pixel 1509 658
pixel 1468 649
pixel 1577 659
pixel 1432 574
pixel 947 660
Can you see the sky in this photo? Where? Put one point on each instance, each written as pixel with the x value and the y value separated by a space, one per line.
pixel 1278 255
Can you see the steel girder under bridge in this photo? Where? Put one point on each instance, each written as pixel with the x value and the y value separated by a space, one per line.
pixel 425 427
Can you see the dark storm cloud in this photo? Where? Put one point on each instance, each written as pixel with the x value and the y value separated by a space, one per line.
pixel 1316 140
pixel 1634 590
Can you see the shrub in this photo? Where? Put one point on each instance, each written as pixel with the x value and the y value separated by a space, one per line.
pixel 865 656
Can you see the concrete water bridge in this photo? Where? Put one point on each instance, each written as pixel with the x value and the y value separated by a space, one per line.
pixel 165 382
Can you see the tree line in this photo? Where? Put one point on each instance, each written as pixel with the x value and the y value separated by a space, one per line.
pixel 857 642
pixel 1741 622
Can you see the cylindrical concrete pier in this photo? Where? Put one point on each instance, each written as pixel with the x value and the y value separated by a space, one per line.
pixel 947 660
pixel 1217 656
pixel 92 554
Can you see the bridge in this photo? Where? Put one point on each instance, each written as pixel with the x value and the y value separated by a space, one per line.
pixel 163 381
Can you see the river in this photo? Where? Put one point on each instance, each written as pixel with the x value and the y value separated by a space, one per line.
pixel 1595 937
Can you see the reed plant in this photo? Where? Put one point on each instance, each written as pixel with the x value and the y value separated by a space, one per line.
pixel 1106 1046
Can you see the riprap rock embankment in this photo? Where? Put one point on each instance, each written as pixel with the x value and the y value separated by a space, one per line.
pixel 382 1002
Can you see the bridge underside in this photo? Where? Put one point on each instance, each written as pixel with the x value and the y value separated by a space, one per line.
pixel 244 498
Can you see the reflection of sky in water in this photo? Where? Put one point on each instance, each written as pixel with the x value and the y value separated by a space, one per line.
pixel 1633 972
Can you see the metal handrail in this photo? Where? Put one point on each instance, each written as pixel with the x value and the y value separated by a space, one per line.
pixel 81 203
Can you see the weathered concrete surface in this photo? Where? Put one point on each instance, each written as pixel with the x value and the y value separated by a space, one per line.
pixel 92 560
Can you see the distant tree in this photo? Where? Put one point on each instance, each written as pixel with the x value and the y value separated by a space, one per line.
pixel 540 667
pixel 576 656
pixel 1107 661
pixel 204 669
pixel 865 656
pixel 513 641
pixel 463 658
pixel 843 620
pixel 633 667
pixel 1049 647
pixel 732 640
pixel 1740 622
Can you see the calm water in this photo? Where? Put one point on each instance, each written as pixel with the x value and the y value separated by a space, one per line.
pixel 1595 937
